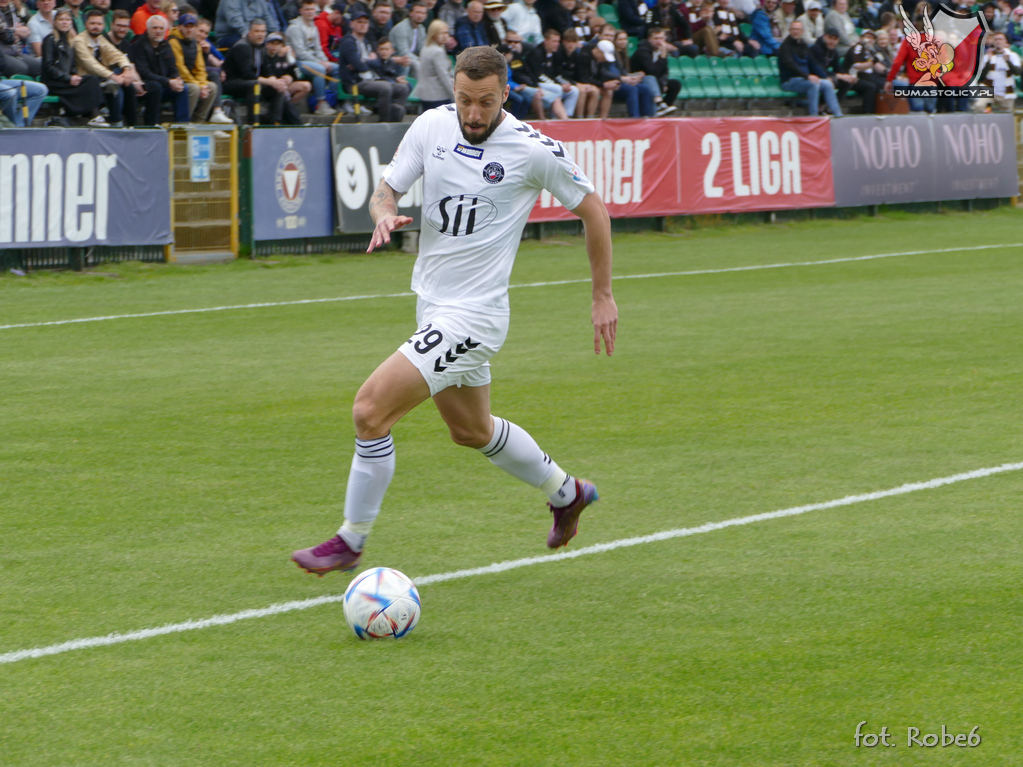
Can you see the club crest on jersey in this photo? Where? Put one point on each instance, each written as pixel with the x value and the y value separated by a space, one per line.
pixel 472 152
pixel 493 173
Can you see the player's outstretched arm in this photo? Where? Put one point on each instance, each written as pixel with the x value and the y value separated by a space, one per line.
pixel 597 225
pixel 383 207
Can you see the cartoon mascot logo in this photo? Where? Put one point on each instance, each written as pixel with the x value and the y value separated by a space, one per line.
pixel 948 48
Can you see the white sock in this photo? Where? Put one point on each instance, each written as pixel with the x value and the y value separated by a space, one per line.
pixel 514 451
pixel 563 494
pixel 371 472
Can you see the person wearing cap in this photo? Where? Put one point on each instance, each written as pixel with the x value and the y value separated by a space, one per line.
pixel 235 16
pixel 96 55
pixel 243 67
pixel 812 22
pixel 469 31
pixel 867 64
pixel 614 87
pixel 493 23
pixel 800 73
pixel 279 64
pixel 360 66
pixel 203 95
pixel 304 38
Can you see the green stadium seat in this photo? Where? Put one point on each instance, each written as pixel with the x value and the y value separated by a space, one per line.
pixel 726 87
pixel 746 29
pixel 766 65
pixel 710 86
pixel 732 67
pixel 773 86
pixel 743 87
pixel 757 87
pixel 703 66
pixel 633 45
pixel 686 66
pixel 693 88
pixel 748 66
pixel 675 68
pixel 608 13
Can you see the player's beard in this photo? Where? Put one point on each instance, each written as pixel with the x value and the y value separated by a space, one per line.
pixel 480 138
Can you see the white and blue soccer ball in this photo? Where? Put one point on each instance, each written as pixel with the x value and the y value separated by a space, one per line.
pixel 382 602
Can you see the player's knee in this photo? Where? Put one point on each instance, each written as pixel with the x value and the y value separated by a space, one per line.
pixel 468 436
pixel 369 422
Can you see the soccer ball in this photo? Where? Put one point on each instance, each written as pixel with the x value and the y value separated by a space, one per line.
pixel 381 602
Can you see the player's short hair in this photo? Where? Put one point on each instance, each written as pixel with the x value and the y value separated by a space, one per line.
pixel 482 61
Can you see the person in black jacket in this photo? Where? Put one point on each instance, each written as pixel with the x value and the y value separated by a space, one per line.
pixel 547 63
pixel 825 54
pixel 577 69
pixel 800 73
pixel 665 15
pixel 360 66
pixel 154 60
pixel 243 69
pixel 651 58
pixel 79 96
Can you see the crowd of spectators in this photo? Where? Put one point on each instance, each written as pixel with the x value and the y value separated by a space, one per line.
pixel 126 62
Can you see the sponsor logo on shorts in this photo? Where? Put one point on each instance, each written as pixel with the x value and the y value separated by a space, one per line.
pixel 472 152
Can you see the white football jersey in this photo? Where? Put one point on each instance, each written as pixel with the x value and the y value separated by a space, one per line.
pixel 476 200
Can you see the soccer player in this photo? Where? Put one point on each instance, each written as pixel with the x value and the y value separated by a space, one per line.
pixel 482 172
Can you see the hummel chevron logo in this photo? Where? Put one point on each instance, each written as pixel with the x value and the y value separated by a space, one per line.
pixel 451 355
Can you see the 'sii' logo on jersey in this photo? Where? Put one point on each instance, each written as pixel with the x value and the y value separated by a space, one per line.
pixel 461 214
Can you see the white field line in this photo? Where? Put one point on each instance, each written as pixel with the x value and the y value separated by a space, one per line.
pixel 524 285
pixel 498 567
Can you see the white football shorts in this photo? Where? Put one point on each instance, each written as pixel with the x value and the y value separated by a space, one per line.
pixel 453 347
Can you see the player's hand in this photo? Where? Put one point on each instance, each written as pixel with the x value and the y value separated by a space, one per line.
pixel 605 324
pixel 384 227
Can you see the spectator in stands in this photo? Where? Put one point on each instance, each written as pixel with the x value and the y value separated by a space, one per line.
pixel 409 37
pixel 560 16
pixel 1003 10
pixel 646 83
pixel 80 97
pixel 584 17
pixel 95 55
pixel 399 11
pixel 1000 69
pixel 812 22
pixel 380 22
pixel 546 63
pixel 120 34
pixel 665 15
pixel 618 85
pixel 40 25
pixel 890 24
pixel 839 22
pixel 867 65
pixel 360 66
pixel 169 8
pixel 243 67
pixel 203 94
pixel 493 23
pixel 469 31
pixel 885 50
pixel 825 55
pixel 436 85
pixel 576 69
pixel 522 17
pixel 390 69
pixel 279 66
pixel 10 93
pixel 142 15
pixel 904 60
pixel 729 34
pixel 13 36
pixel 152 56
pixel 234 18
pixel 77 19
pixel 785 15
pixel 529 86
pixel 800 73
pixel 303 37
pixel 450 13
pixel 108 14
pixel 651 58
pixel 766 29
pixel 1014 29
pixel 329 23
pixel 213 58
pixel 631 18
pixel 705 35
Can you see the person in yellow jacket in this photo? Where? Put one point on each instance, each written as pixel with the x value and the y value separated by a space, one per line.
pixel 203 94
pixel 95 55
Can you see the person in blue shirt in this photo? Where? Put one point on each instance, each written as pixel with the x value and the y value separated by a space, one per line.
pixel 469 30
pixel 766 30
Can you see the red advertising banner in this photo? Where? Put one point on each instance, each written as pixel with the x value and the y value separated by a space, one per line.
pixel 732 164
pixel 686 166
pixel 632 164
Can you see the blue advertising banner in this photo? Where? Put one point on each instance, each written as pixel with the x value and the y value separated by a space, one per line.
pixel 921 158
pixel 76 188
pixel 292 184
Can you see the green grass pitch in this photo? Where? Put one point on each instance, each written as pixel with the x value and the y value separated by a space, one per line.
pixel 157 470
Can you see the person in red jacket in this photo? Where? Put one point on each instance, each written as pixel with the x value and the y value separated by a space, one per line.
pixel 904 61
pixel 329 23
